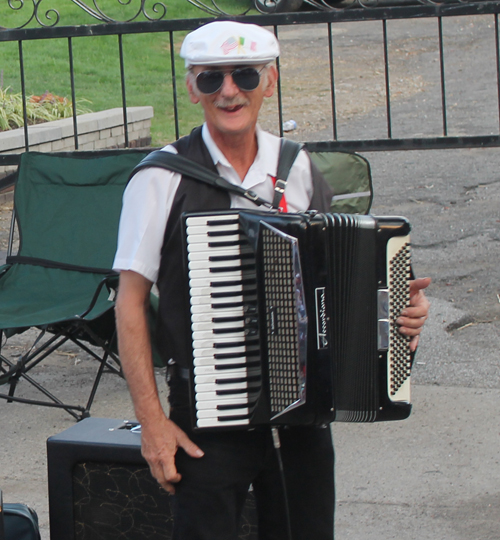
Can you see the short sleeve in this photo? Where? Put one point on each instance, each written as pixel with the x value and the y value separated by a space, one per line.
pixel 147 201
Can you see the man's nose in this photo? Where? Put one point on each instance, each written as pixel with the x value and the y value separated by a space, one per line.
pixel 229 88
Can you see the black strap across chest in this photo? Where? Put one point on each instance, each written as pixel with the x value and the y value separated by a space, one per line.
pixel 185 166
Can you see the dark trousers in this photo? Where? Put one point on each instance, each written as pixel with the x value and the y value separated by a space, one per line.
pixel 210 497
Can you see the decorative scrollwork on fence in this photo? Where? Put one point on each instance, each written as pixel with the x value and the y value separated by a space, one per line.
pixel 215 9
pixel 158 8
pixel 280 6
pixel 48 17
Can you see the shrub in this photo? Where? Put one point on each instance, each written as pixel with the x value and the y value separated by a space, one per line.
pixel 44 108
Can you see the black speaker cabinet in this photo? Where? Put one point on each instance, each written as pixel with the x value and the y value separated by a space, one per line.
pixel 100 487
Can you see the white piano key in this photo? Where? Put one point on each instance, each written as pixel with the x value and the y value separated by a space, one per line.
pixel 217 310
pixel 210 352
pixel 207 299
pixel 218 377
pixel 224 399
pixel 216 245
pixel 230 387
pixel 241 370
pixel 204 220
pixel 212 422
pixel 213 414
pixel 216 342
pixel 243 400
pixel 204 228
pixel 211 361
pixel 206 255
pixel 207 291
pixel 210 325
pixel 235 359
pixel 203 318
pixel 218 338
pixel 207 272
pixel 200 250
pixel 203 239
pixel 224 348
pixel 230 265
pixel 216 282
pixel 213 280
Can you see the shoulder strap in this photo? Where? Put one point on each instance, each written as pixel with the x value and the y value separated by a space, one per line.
pixel 288 153
pixel 184 166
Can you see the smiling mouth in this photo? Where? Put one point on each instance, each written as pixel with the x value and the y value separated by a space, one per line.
pixel 232 108
pixel 230 105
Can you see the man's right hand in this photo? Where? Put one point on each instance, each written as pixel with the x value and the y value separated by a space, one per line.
pixel 159 446
pixel 160 436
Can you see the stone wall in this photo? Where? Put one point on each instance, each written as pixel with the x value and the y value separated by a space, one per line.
pixel 96 131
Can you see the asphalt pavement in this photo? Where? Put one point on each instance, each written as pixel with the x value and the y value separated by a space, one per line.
pixel 436 476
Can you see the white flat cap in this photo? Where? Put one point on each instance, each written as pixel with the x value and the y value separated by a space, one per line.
pixel 227 42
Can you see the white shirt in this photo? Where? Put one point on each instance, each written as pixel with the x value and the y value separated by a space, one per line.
pixel 149 196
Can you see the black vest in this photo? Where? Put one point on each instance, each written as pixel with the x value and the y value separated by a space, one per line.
pixel 174 324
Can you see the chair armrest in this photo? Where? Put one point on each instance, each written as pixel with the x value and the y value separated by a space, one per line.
pixel 111 281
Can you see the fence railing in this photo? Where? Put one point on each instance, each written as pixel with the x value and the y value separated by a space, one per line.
pixel 416 104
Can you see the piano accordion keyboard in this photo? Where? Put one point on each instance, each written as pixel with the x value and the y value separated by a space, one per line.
pixel 222 277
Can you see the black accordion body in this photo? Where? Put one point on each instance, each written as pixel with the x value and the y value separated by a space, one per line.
pixel 293 318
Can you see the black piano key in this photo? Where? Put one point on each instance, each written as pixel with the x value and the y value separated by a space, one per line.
pixel 230 392
pixel 253 378
pixel 243 282
pixel 234 418
pixel 229 356
pixel 236 366
pixel 242 267
pixel 235 318
pixel 247 343
pixel 227 305
pixel 236 256
pixel 228 294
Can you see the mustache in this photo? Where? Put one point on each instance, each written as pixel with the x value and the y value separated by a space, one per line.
pixel 223 103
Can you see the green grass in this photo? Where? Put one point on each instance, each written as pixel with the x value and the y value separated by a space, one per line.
pixel 96 62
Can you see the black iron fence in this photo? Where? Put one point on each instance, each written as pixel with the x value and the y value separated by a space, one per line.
pixel 432 73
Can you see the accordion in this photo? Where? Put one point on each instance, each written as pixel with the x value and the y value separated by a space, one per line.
pixel 293 318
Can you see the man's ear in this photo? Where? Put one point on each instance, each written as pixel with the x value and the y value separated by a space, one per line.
pixel 193 94
pixel 272 79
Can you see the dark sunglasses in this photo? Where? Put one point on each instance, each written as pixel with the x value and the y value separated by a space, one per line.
pixel 211 81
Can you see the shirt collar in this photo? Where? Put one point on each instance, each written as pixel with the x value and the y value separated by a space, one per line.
pixel 265 162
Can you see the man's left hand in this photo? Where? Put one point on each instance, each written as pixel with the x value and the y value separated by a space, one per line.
pixel 413 317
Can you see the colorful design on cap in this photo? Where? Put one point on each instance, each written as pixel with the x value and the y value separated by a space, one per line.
pixel 229 45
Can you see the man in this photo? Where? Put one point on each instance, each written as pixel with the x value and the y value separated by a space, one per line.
pixel 230 72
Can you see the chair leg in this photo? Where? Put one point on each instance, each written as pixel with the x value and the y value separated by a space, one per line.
pixel 97 380
pixel 20 369
pixel 104 362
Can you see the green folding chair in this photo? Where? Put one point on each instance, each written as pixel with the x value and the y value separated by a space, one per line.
pixel 349 175
pixel 67 209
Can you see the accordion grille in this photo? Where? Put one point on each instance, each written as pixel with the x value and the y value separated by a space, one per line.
pixel 400 358
pixel 281 321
